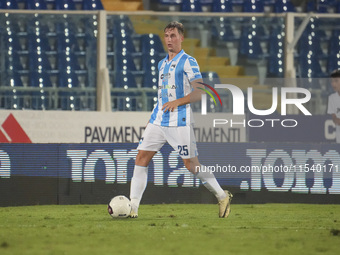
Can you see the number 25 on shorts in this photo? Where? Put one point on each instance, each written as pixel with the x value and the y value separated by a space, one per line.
pixel 183 150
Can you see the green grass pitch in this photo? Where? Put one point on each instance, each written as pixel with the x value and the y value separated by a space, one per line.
pixel 171 229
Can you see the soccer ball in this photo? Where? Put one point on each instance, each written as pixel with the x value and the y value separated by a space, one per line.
pixel 119 207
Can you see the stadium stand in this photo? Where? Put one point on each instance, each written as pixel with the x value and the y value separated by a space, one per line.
pixel 36 5
pixel 222 6
pixel 237 47
pixel 191 6
pixel 65 5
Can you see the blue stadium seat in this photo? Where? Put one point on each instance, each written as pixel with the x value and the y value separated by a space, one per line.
pixel 310 67
pixel 12 61
pixel 210 78
pixel 40 99
pixel 151 42
pixel 333 60
pixel 321 7
pixel 250 45
pixel 222 6
pixel 124 61
pixel 65 5
pixel 68 98
pixel 68 66
pixel 253 6
pixel 284 6
pixel 13 98
pixel 125 80
pixel 8 4
pixel 36 5
pixel 38 41
pixel 150 79
pixel 126 100
pixel 11 40
pixel 221 29
pixel 308 43
pixel 92 5
pixel 276 54
pixel 67 40
pixel 150 62
pixel 38 61
pixel 68 61
pixel 337 7
pixel 123 25
pixel 191 6
pixel 124 43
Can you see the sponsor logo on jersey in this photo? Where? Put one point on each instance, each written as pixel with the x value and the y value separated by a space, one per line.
pixel 165 76
pixel 167 87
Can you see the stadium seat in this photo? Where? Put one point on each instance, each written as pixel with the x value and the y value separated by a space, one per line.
pixel 125 100
pixel 11 39
pixel 210 78
pixel 191 6
pixel 8 4
pixel 222 6
pixel 124 61
pixel 38 41
pixel 337 7
pixel 123 25
pixel 40 99
pixel 125 80
pixel 321 7
pixel 253 6
pixel 13 99
pixel 124 43
pixel 65 5
pixel 310 67
pixel 276 54
pixel 250 43
pixel 66 40
pixel 36 5
pixel 38 61
pixel 12 61
pixel 151 42
pixel 333 60
pixel 308 43
pixel 221 29
pixel 69 99
pixel 150 62
pixel 92 5
pixel 284 6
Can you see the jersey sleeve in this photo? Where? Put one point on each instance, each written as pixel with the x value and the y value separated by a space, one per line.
pixel 192 69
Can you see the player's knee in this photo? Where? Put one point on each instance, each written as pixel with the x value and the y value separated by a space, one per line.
pixel 143 158
pixel 190 164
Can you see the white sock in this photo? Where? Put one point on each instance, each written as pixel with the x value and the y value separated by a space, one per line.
pixel 138 185
pixel 209 181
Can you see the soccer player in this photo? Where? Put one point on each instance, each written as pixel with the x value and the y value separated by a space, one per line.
pixel 171 121
pixel 334 102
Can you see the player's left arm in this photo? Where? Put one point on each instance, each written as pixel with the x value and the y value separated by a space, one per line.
pixel 191 70
pixel 192 97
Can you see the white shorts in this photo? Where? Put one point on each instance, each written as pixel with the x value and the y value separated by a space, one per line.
pixel 182 139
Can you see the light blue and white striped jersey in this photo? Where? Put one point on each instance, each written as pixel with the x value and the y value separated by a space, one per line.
pixel 173 83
